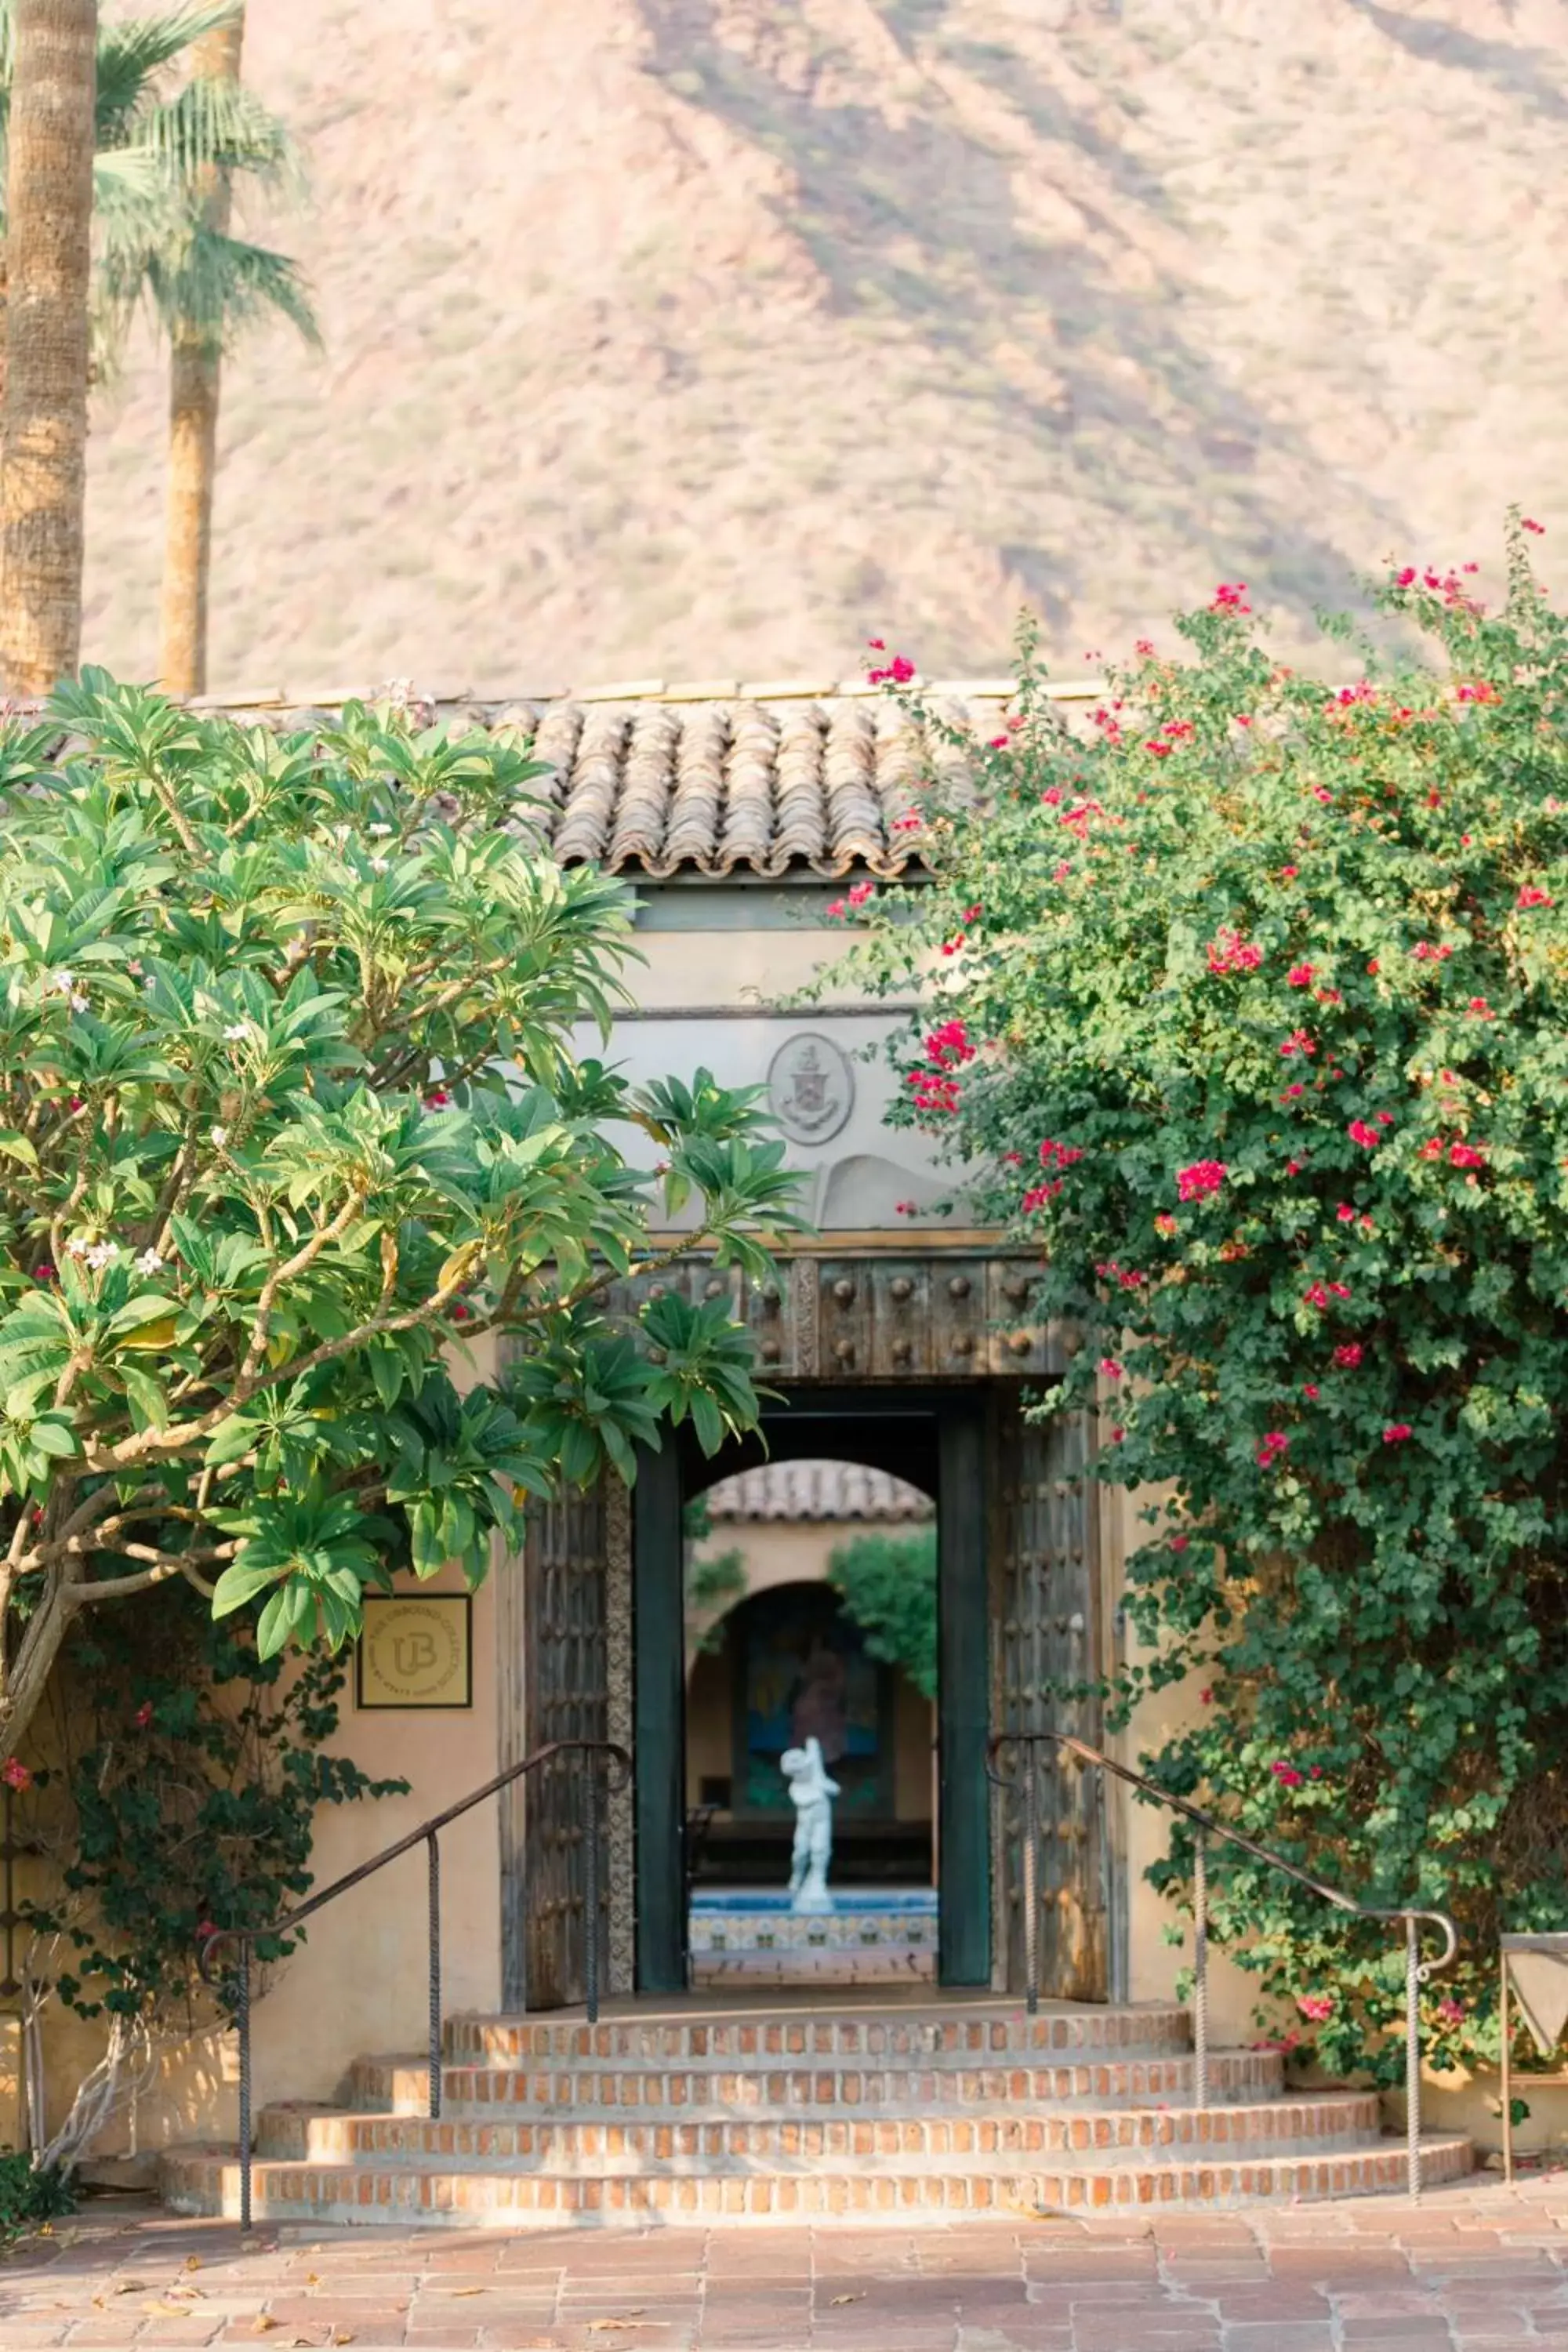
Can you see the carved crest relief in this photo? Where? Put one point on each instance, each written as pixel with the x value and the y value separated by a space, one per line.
pixel 811 1088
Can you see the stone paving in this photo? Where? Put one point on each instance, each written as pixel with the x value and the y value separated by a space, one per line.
pixel 1475 2268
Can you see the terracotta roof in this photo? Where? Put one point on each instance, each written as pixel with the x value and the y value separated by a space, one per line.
pixel 718 777
pixel 816 1490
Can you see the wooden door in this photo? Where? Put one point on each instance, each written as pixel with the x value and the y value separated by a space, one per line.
pixel 561 1632
pixel 1049 1644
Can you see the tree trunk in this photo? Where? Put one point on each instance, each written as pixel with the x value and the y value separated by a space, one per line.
pixel 43 468
pixel 194 367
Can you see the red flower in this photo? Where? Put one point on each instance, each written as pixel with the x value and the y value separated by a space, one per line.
pixel 1373 966
pixel 1203 1177
pixel 1367 1137
pixel 1298 1041
pixel 1144 646
pixel 1339 1290
pixel 1537 527
pixel 1116 1435
pixel 1228 951
pixel 1531 897
pixel 1165 1223
pixel 15 1774
pixel 1384 1118
pixel 878 645
pixel 1429 951
pixel 1348 1356
pixel 1178 1543
pixel 910 822
pixel 1466 1155
pixel 1310 1391
pixel 1346 1214
pixel 1316 1296
pixel 1275 1442
pixel 899 670
pixel 1287 1775
pixel 1299 974
pixel 1397 1433
pixel 1038 1195
pixel 437 1098
pixel 143 1715
pixel 1406 579
pixel 1111 1367
pixel 903 1208
pixel 837 909
pixel 1228 596
pixel 45 1272
pixel 1317 2008
pixel 860 892
pixel 1483 1011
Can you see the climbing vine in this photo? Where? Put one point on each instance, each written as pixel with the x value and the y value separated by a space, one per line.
pixel 1258 1026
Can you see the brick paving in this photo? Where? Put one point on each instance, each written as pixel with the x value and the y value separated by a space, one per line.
pixel 1475 2268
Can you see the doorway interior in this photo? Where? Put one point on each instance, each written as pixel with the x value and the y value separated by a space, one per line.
pixel 823 1579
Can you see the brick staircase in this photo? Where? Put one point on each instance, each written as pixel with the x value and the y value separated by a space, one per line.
pixel 771 2110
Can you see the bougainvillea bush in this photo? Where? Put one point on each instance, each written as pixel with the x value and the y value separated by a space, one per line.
pixel 1259 1030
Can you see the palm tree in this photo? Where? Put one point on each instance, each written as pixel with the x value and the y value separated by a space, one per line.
pixel 204 285
pixel 154 162
pixel 48 263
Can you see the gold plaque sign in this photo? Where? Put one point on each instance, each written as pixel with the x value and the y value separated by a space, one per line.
pixel 416 1652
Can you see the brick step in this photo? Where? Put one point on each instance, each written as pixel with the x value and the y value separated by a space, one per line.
pixel 206 2181
pixel 744 2034
pixel 569 2146
pixel 401 2085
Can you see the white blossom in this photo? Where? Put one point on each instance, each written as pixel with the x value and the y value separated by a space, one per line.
pixel 76 1246
pixel 102 1254
pixel 380 831
pixel 380 865
pixel 219 1135
pixel 236 1030
pixel 149 1262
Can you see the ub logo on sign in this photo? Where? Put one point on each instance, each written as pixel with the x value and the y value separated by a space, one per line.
pixel 416 1652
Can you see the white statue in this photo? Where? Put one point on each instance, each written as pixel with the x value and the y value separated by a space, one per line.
pixel 812 1794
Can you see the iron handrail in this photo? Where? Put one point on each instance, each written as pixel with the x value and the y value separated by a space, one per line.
pixel 428 1835
pixel 1417 1970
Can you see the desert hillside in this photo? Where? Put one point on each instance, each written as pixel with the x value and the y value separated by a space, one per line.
pixel 703 339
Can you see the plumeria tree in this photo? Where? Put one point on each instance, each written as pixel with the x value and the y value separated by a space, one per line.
pixel 1258 1030
pixel 309 1197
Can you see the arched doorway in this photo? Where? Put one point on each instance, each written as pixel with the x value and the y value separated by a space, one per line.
pixel 933 1441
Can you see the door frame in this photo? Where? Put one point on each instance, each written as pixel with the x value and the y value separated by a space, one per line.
pixel 901 1429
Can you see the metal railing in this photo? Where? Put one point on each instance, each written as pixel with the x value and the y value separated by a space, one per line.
pixel 1417 1970
pixel 598 1753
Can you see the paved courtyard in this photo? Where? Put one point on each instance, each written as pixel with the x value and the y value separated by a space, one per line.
pixel 1476 2268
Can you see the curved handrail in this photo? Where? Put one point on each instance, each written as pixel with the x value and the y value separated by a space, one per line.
pixel 1417 1970
pixel 428 1834
pixel 1207 1821
pixel 421 1836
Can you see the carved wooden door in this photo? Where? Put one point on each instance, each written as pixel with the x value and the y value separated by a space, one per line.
pixel 1049 1644
pixel 564 1692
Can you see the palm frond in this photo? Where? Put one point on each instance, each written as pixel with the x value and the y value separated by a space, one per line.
pixel 222 123
pixel 214 285
pixel 133 52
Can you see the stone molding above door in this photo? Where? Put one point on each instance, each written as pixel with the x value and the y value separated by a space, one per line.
pixel 924 1315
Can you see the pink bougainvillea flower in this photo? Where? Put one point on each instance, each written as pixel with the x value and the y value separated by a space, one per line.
pixel 1228 597
pixel 1316 1297
pixel 1347 1358
pixel 1198 1180
pixel 1480 1010
pixel 1397 1433
pixel 1111 1367
pixel 1286 1774
pixel 1300 975
pixel 45 1272
pixel 1530 524
pixel 897 672
pixel 1228 951
pixel 1116 1435
pixel 1317 2008
pixel 1360 1133
pixel 861 892
pixel 1385 1118
pixel 1178 1543
pixel 1144 646
pixel 1532 896
pixel 1298 1041
pixel 1291 1094
pixel 15 1774
pixel 878 645
pixel 143 1715
pixel 1275 1444
pixel 1346 1214
pixel 1339 1290
pixel 1466 1155
pixel 1311 1391
pixel 1450 2012
pixel 1059 1155
pixel 837 909
pixel 437 1098
pixel 903 1208
pixel 1206 1698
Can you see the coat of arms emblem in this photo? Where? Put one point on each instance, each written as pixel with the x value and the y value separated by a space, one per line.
pixel 810 1090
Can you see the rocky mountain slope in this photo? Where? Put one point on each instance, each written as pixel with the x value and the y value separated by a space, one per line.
pixel 703 339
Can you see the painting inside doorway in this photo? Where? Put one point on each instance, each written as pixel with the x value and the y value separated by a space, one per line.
pixel 811 1598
